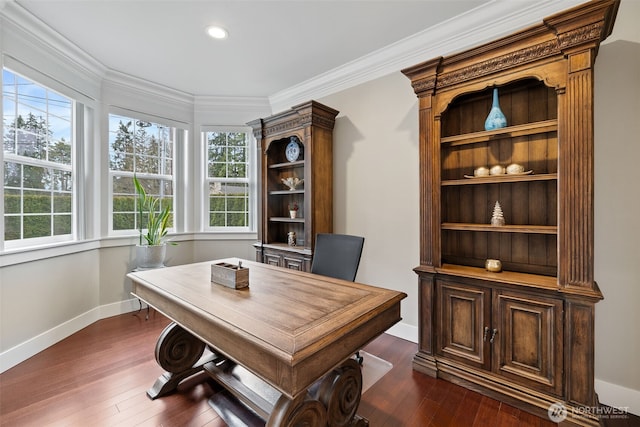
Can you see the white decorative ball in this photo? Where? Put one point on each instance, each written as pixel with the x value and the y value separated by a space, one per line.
pixel 481 171
pixel 514 169
pixel 497 170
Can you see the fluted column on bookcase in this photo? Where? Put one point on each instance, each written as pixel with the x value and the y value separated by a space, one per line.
pixel 423 79
pixel 578 37
pixel 576 183
pixel 579 33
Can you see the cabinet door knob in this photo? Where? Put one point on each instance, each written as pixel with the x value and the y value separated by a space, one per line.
pixel 486 333
pixel 493 335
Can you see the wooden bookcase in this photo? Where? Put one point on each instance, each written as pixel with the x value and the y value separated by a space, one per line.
pixel 311 125
pixel 524 335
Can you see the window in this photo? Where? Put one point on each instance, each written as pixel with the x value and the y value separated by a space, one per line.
pixel 37 163
pixel 228 180
pixel 145 149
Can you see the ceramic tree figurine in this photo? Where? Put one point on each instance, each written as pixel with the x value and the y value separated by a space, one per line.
pixel 497 219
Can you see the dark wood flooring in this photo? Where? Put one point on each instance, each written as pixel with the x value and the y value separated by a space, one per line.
pixel 99 375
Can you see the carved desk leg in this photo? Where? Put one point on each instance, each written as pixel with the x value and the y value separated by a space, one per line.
pixel 340 392
pixel 302 411
pixel 178 353
pixel 332 401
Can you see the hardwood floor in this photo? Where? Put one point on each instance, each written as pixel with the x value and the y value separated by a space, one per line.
pixel 99 377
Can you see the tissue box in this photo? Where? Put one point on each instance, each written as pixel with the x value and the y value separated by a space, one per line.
pixel 230 275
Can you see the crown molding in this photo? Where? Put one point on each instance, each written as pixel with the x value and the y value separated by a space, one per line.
pixel 215 104
pixel 129 83
pixel 473 28
pixel 49 39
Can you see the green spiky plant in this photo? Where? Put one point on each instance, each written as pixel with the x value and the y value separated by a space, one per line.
pixel 157 222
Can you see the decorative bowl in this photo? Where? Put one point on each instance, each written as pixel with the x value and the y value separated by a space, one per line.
pixel 493 265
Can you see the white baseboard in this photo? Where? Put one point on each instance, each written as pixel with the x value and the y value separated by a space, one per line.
pixel 618 396
pixel 33 346
pixel 404 331
pixel 120 307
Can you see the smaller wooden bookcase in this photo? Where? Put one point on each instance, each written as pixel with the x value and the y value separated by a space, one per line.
pixel 294 144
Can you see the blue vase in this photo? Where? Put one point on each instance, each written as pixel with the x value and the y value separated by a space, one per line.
pixel 496 118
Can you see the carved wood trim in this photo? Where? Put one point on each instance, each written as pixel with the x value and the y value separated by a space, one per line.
pixel 499 63
pixel 424 85
pixel 299 122
pixel 423 76
pixel 593 32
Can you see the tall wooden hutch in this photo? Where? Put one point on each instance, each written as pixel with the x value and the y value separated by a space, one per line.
pixel 308 128
pixel 524 335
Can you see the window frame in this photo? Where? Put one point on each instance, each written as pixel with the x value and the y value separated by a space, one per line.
pixel 178 135
pixel 77 109
pixel 250 180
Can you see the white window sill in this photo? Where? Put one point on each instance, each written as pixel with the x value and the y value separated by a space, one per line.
pixel 22 255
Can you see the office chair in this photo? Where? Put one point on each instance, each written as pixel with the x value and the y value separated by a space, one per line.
pixel 337 255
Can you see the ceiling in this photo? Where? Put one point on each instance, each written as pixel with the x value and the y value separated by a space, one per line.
pixel 272 45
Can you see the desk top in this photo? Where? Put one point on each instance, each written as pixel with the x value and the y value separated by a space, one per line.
pixel 288 327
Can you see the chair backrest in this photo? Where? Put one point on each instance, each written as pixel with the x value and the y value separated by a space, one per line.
pixel 337 255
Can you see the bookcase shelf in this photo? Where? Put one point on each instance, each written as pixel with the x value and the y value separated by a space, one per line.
pixel 500 179
pixel 507 132
pixel 527 229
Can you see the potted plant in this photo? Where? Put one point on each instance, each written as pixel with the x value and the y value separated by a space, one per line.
pixel 151 248
pixel 293 209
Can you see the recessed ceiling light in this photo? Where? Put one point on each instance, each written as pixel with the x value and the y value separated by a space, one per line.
pixel 217 32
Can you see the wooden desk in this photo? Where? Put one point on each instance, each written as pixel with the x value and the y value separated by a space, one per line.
pixel 295 331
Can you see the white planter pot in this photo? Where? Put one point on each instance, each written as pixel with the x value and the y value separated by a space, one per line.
pixel 150 256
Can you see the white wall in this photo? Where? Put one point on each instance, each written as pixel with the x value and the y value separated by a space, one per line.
pixel 617 210
pixel 376 184
pixel 617 229
pixel 35 297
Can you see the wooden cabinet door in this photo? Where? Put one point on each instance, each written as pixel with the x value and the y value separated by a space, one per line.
pixel 292 260
pixel 463 314
pixel 272 259
pixel 293 263
pixel 528 344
